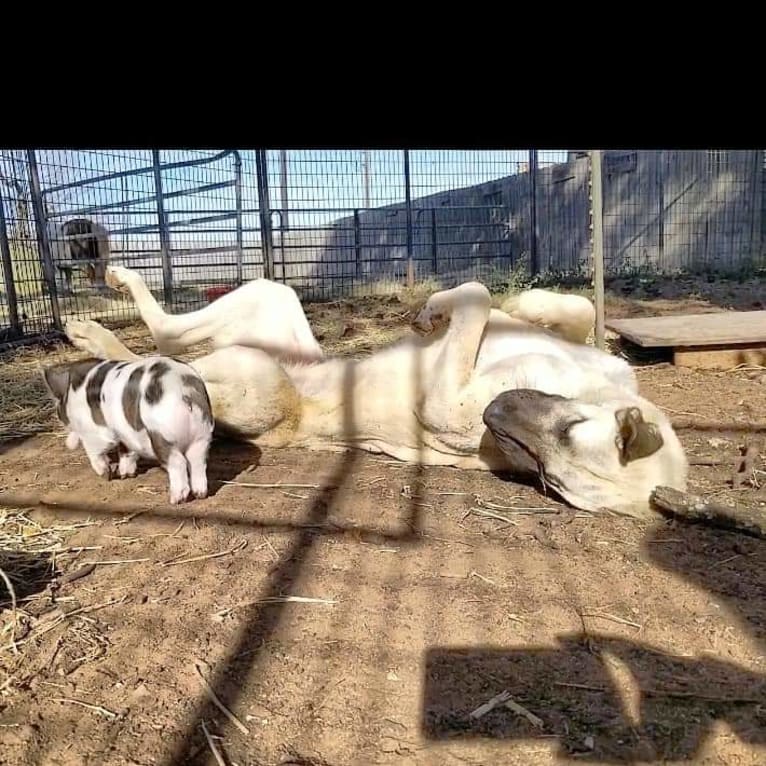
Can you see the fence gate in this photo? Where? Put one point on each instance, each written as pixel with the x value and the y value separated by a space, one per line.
pixel 187 221
pixel 181 223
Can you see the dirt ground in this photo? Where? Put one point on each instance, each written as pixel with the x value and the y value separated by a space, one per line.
pixel 426 593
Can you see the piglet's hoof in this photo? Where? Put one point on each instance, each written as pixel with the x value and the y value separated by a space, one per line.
pixel 179 497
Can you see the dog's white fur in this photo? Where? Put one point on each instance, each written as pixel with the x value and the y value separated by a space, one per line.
pixel 259 314
pixel 423 398
pixel 570 316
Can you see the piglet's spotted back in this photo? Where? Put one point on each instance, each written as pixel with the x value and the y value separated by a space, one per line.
pixel 157 409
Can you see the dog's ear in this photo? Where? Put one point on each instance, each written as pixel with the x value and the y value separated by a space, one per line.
pixel 637 437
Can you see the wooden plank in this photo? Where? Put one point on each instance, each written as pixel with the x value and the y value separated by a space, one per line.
pixel 720 357
pixel 719 329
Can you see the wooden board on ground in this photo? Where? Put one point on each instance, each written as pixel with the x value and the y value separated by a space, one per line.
pixel 714 341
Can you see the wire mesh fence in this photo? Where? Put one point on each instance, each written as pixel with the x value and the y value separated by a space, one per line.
pixel 336 222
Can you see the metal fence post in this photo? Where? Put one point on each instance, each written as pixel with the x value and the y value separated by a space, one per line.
pixel 10 285
pixel 358 243
pixel 43 242
pixel 167 270
pixel 408 204
pixel 264 210
pixel 281 245
pixel 660 209
pixel 597 225
pixel 434 244
pixel 283 184
pixel 366 177
pixel 534 259
pixel 238 221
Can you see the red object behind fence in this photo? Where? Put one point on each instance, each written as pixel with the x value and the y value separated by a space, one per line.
pixel 213 293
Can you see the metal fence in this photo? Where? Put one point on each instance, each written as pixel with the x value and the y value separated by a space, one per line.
pixel 331 223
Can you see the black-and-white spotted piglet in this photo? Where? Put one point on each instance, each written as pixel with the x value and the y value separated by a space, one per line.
pixel 157 409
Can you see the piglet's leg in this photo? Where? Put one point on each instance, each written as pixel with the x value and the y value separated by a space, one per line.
pixel 98 454
pixel 197 457
pixel 174 462
pixel 128 465
pixel 178 476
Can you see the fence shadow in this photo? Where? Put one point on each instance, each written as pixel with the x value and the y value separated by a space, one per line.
pixel 666 716
pixel 28 573
pixel 662 708
pixel 261 620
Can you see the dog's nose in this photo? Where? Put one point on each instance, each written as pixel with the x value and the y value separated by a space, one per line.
pixel 493 412
pixel 509 402
pixel 521 403
pixel 499 410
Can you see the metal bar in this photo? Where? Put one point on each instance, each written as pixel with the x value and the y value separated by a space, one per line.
pixel 202 219
pixel 212 249
pixel 358 243
pixel 238 202
pixel 408 208
pixel 401 246
pixel 137 172
pixel 756 231
pixel 167 270
pixel 245 229
pixel 143 200
pixel 41 224
pixel 366 176
pixel 597 207
pixel 151 227
pixel 534 258
pixel 186 267
pixel 434 244
pixel 335 276
pixel 423 259
pixel 660 209
pixel 10 285
pixel 281 245
pixel 392 210
pixel 150 210
pixel 124 190
pixel 283 185
pixel 264 209
pixel 148 228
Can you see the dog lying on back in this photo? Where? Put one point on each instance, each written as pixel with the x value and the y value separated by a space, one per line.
pixel 157 409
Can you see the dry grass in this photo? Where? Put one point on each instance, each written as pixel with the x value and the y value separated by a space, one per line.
pixel 28 561
pixel 25 407
pixel 25 545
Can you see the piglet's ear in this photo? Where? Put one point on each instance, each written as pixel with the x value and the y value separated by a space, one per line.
pixel 56 380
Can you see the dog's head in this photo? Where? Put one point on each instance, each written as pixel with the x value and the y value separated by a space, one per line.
pixel 609 455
